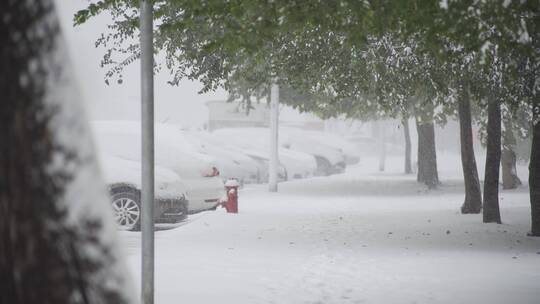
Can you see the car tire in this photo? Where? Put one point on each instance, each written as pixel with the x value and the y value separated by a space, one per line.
pixel 126 205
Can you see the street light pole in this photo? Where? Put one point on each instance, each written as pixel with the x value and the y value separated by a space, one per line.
pixel 147 140
pixel 274 140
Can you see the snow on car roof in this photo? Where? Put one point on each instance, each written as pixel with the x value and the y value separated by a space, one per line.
pixel 122 138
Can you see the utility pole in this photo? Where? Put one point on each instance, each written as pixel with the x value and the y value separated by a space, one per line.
pixel 147 140
pixel 378 132
pixel 274 143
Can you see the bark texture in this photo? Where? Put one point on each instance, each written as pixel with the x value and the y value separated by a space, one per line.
pixel 491 212
pixel 510 180
pixel 427 155
pixel 407 136
pixel 473 195
pixel 43 257
pixel 534 181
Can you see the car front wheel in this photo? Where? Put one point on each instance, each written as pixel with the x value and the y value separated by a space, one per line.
pixel 127 209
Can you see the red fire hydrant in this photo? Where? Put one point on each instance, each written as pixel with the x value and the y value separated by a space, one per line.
pixel 231 205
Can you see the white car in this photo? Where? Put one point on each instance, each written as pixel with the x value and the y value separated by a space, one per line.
pixel 255 152
pixel 197 171
pixel 123 178
pixel 263 165
pixel 349 150
pixel 297 164
pixel 330 160
pixel 232 164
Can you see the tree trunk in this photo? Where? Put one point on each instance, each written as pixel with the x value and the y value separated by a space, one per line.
pixel 427 155
pixel 534 181
pixel 510 180
pixel 491 212
pixel 407 135
pixel 473 196
pixel 52 228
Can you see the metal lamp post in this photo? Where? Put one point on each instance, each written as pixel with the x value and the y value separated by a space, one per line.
pixel 274 127
pixel 147 140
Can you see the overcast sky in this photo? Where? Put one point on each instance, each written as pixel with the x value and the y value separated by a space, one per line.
pixel 179 104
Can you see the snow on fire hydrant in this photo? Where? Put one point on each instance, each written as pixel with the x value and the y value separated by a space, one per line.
pixel 231 205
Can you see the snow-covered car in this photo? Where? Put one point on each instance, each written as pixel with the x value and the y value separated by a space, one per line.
pixel 263 165
pixel 258 155
pixel 232 164
pixel 197 171
pixel 123 178
pixel 349 150
pixel 297 164
pixel 329 159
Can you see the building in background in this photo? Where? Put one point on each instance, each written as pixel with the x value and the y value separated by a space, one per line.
pixel 222 114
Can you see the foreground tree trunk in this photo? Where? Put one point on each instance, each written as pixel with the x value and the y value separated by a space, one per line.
pixel 427 154
pixel 55 243
pixel 473 196
pixel 491 212
pixel 534 181
pixel 510 180
pixel 407 135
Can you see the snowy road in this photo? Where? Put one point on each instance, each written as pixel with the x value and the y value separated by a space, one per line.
pixel 360 237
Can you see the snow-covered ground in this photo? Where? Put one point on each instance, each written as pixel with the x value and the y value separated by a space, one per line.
pixel 358 237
